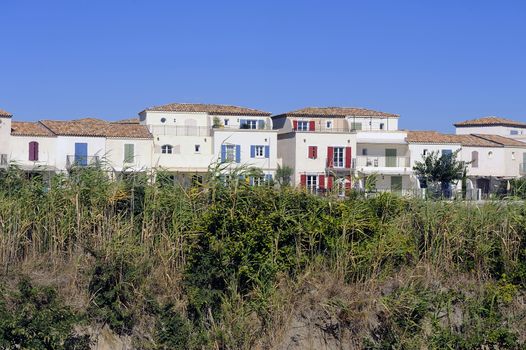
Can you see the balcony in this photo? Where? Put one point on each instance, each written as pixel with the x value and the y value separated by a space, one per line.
pixel 382 164
pixel 337 166
pixel 82 161
pixel 325 130
pixel 522 168
pixel 174 130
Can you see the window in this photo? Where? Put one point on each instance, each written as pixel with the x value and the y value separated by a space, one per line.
pixel 424 152
pixel 226 122
pixel 175 121
pixel 356 126
pixel 231 153
pixel 312 183
pixel 447 152
pixel 338 157
pixel 259 151
pixel 474 159
pixel 250 124
pixel 328 124
pixel 514 132
pixel 33 151
pixel 163 120
pixel 303 125
pixel 513 155
pixel 129 152
pixel 313 152
pixel 257 180
pixel 490 154
pixel 382 125
pixel 364 151
pixel 166 149
pixel 197 148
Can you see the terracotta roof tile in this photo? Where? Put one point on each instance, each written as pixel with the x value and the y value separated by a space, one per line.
pixel 96 128
pixel 30 129
pixel 338 112
pixel 5 114
pixel 478 140
pixel 128 121
pixel 491 121
pixel 213 109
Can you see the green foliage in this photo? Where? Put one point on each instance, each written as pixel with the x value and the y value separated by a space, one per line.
pixel 34 318
pixel 436 168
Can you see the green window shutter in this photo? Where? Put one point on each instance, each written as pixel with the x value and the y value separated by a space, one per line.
pixel 129 153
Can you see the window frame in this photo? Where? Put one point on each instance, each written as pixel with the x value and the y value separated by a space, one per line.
pixel 230 154
pixel 197 148
pixel 303 125
pixel 167 149
pixel 311 183
pixel 259 151
pixel 126 159
pixel 338 157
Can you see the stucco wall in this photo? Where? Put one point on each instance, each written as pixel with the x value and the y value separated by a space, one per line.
pixel 47 151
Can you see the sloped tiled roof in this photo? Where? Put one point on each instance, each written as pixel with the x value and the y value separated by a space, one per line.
pixel 30 129
pixel 430 137
pixel 213 109
pixel 478 140
pixel 491 121
pixel 5 114
pixel 338 112
pixel 128 121
pixel 505 141
pixel 96 128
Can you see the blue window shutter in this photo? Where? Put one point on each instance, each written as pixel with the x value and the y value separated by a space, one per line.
pixel 242 122
pixel 268 177
pixel 267 151
pixel 252 181
pixel 238 154
pixel 261 124
pixel 252 151
pixel 223 153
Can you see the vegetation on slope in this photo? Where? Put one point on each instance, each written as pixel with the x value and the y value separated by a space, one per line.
pixel 229 266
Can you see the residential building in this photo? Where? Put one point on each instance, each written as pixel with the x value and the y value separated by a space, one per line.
pixel 33 147
pixel 320 145
pixel 189 138
pixel 5 132
pixel 493 126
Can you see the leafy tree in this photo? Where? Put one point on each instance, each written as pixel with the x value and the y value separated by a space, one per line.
pixel 283 175
pixel 440 169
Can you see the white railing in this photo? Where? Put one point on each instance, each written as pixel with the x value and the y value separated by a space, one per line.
pixel 174 130
pixel 381 162
pixel 82 161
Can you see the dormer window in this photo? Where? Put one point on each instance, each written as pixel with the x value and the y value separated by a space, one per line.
pixel 166 149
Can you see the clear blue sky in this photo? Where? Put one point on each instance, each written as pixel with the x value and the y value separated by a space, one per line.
pixel 432 62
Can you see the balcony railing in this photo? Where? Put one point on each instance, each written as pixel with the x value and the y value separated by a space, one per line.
pixel 3 160
pixel 381 162
pixel 174 130
pixel 522 168
pixel 328 130
pixel 82 161
pixel 337 165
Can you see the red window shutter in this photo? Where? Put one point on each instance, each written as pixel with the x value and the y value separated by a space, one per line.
pixel 329 182
pixel 295 124
pixel 310 152
pixel 315 151
pixel 330 157
pixel 33 151
pixel 348 154
pixel 348 182
pixel 303 180
pixel 321 180
pixel 311 125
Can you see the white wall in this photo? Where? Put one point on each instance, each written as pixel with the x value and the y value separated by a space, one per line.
pixel 47 151
pixel 65 146
pixel 143 150
pixel 184 157
pixel 176 118
pixel 416 150
pixel 247 138
pixel 373 123
pixel 5 135
pixel 491 130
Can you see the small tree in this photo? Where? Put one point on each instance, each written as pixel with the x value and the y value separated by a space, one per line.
pixel 283 175
pixel 440 169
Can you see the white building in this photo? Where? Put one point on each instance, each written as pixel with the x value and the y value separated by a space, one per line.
pixel 492 158
pixel 189 138
pixel 327 146
pixel 492 126
pixel 5 137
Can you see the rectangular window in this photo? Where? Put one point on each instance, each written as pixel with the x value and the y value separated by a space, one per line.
pixel 259 151
pixel 129 153
pixel 356 126
pixel 312 183
pixel 447 152
pixel 33 151
pixel 231 153
pixel 382 125
pixel 514 132
pixel 226 122
pixel 338 157
pixel 249 124
pixel 303 125
pixel 364 151
pixel 197 148
pixel 328 124
pixel 424 152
